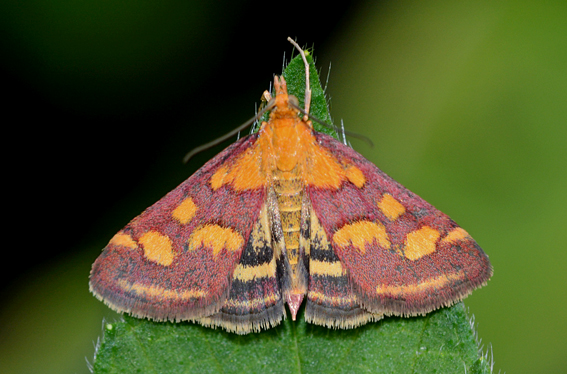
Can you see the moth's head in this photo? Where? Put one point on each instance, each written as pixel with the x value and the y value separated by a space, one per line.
pixel 285 106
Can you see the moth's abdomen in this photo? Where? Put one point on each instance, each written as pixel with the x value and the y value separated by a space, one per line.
pixel 289 193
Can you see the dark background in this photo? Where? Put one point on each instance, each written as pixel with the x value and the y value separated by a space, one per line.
pixel 98 92
pixel 465 103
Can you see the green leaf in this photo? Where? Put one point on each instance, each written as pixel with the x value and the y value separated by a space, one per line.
pixel 294 75
pixel 441 342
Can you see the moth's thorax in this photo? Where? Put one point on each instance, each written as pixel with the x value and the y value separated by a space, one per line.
pixel 289 139
pixel 286 132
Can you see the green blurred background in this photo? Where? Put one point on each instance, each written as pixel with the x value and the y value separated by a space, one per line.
pixel 466 103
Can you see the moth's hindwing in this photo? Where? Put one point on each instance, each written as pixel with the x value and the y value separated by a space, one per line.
pixel 331 300
pixel 400 255
pixel 255 299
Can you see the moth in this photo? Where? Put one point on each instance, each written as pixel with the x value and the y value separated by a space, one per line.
pixel 283 216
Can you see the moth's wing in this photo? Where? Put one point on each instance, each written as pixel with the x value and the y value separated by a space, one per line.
pixel 402 256
pixel 175 261
pixel 331 300
pixel 255 299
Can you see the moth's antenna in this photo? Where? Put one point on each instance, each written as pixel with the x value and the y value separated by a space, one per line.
pixel 345 132
pixel 305 111
pixel 221 139
pixel 307 84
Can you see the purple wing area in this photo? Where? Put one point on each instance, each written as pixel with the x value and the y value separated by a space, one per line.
pixel 427 262
pixel 197 281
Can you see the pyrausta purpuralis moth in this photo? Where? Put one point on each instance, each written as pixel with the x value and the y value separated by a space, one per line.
pixel 283 215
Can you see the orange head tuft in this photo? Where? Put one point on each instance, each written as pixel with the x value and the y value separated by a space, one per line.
pixel 285 106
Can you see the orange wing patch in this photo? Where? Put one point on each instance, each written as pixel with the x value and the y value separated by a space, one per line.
pixel 156 291
pixel 355 176
pixel 323 170
pixel 456 235
pixel 217 238
pixel 361 233
pixel 218 178
pixel 185 211
pixel 391 207
pixel 247 172
pixel 124 240
pixel 424 285
pixel 157 248
pixel 249 273
pixel 421 242
pixel 333 269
